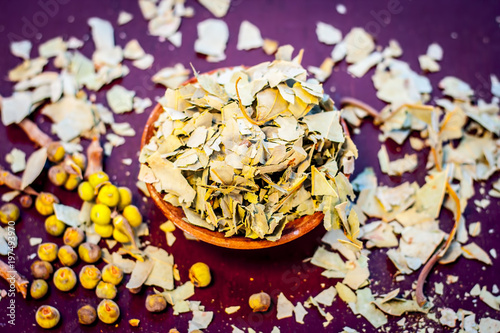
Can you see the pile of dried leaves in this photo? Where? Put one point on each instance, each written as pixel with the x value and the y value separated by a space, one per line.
pixel 245 151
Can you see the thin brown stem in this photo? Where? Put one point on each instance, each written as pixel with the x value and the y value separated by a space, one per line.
pixel 94 157
pixel 422 277
pixel 9 273
pixel 14 182
pixel 34 133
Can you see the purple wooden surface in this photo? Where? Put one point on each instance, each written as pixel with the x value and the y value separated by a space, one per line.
pixel 471 56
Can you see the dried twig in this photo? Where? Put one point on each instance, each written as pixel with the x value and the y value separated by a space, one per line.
pixel 9 273
pixel 34 133
pixel 94 157
pixel 421 300
pixel 55 149
pixel 14 182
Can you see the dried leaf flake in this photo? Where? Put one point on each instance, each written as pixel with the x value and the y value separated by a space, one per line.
pixel 249 37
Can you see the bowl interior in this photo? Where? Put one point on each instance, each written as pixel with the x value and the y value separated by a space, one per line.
pixel 293 229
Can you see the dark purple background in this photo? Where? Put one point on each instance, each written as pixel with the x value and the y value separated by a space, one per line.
pixel 471 56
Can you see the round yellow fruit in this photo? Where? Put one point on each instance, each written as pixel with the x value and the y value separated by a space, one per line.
pixel 100 214
pixel 108 195
pixel 133 216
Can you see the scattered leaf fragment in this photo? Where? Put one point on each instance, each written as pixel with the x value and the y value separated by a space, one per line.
pixel 212 38
pixel 201 320
pixel 232 309
pixel 17 160
pixel 124 17
pixel 284 307
pixel 249 37
pixel 120 100
pixel 34 167
pixel 218 8
pixel 473 251
pixel 328 34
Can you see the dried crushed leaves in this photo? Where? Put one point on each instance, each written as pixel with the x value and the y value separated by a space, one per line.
pixel 245 151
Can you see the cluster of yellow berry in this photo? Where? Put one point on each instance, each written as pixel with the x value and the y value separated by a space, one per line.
pixel 65 278
pixel 111 204
pixel 113 214
pixel 68 172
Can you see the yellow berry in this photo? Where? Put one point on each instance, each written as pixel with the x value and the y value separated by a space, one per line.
pixel 55 152
pixel 112 274
pixel 38 288
pixel 100 214
pixel 259 302
pixel 122 226
pixel 89 252
pixel 67 256
pixel 79 160
pixel 155 303
pixel 199 274
pixel 44 203
pixel 64 279
pixel 108 195
pixel 133 216
pixel 98 178
pixel 53 226
pixel 89 276
pixel 47 251
pixel 72 182
pixel 73 237
pixel 47 316
pixel 125 197
pixel 87 315
pixel 105 290
pixel 9 212
pixel 104 230
pixel 86 191
pixel 108 311
pixel 57 175
pixel 120 236
pixel 41 269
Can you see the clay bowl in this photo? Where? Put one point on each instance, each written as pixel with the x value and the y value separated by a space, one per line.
pixel 292 230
